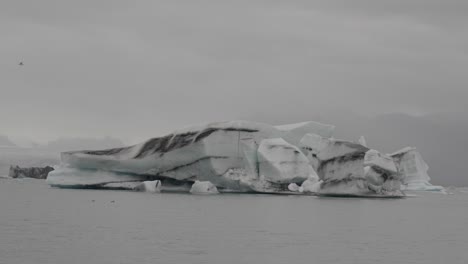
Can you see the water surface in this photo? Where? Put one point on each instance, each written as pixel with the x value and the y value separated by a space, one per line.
pixel 40 224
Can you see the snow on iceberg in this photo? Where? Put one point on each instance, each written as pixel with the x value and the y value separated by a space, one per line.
pixel 413 170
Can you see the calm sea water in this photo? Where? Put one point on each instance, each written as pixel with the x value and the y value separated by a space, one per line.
pixel 40 224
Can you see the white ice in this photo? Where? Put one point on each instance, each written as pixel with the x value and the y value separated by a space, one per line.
pixel 413 169
pixel 281 162
pixel 293 187
pixel 375 159
pixel 362 140
pixel 293 133
pixel 310 186
pixel 203 187
pixel 149 186
pixel 65 176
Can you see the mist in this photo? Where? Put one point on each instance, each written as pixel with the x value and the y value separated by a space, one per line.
pixel 138 70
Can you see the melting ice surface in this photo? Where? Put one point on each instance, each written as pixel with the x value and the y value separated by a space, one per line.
pixel 244 156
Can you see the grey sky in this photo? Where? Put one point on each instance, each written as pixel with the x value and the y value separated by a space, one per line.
pixel 136 69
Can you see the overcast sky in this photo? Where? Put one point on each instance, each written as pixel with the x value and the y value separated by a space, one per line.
pixel 137 69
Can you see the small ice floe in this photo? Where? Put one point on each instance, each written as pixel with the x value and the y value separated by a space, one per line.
pixel 203 187
pixel 293 187
pixel 31 172
pixel 310 186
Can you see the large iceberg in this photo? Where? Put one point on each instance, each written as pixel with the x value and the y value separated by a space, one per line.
pixel 234 156
pixel 238 156
pixel 413 170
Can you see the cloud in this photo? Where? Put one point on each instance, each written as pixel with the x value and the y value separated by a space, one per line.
pixel 138 69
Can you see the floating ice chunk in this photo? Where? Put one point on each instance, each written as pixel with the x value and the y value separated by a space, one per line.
pixel 149 186
pixel 413 170
pixel 293 187
pixel 293 133
pixel 281 162
pixel 379 161
pixel 311 185
pixel 31 172
pixel 203 187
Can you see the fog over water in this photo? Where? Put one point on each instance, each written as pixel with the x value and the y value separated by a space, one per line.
pixel 142 69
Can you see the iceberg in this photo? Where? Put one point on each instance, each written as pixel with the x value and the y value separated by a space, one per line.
pixel 31 172
pixel 350 169
pixel 234 156
pixel 413 170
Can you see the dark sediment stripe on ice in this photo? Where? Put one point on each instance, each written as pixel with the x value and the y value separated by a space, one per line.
pixel 342 159
pixel 194 162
